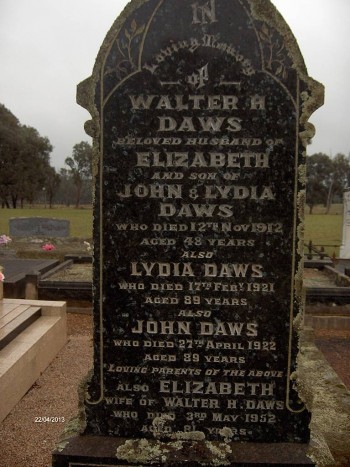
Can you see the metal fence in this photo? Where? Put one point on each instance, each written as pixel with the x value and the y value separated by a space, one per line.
pixel 318 251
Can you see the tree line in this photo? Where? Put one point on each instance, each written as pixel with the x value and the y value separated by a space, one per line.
pixel 26 174
pixel 327 177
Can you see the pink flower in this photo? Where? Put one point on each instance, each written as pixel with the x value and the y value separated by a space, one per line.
pixel 2 277
pixel 48 247
pixel 4 239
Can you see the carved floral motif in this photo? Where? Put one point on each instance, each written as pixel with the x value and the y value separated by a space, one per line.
pixel 274 49
pixel 128 46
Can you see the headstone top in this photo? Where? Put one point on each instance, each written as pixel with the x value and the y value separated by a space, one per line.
pixel 200 122
pixel 39 227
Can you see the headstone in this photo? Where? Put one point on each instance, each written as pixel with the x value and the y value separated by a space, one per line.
pixel 2 277
pixel 39 227
pixel 345 246
pixel 200 122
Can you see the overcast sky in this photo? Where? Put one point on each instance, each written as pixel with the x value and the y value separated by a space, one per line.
pixel 47 47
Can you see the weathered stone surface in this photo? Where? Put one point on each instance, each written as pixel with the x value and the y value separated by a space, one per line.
pixel 16 271
pixel 329 401
pixel 39 227
pixel 88 450
pixel 200 122
pixel 200 134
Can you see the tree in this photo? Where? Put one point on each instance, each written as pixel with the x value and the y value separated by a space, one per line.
pixel 80 165
pixel 340 178
pixel 52 182
pixel 319 179
pixel 24 160
pixel 66 191
pixel 10 144
pixel 326 178
pixel 34 165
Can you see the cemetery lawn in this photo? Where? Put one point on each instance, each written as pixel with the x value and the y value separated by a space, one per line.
pixel 322 229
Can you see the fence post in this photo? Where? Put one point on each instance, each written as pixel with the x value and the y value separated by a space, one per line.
pixel 309 256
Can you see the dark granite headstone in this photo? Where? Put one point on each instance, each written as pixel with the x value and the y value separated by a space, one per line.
pixel 39 227
pixel 200 124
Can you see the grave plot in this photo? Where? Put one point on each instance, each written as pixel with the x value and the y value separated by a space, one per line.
pixel 16 271
pixel 200 138
pixel 70 281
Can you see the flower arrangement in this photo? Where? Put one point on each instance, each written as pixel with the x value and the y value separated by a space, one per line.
pixel 48 247
pixel 4 240
pixel 88 246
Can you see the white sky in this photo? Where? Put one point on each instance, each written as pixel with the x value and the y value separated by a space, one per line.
pixel 47 47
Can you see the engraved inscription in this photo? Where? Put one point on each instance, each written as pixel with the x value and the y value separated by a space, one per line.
pixel 204 13
pixel 196 226
pixel 199 78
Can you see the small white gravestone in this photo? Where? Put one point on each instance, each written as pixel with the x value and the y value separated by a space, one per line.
pixel 345 247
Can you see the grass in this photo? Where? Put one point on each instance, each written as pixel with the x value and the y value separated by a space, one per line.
pixel 325 229
pixel 322 229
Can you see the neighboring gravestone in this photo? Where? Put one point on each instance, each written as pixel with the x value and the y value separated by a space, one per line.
pixel 38 227
pixel 345 246
pixel 200 128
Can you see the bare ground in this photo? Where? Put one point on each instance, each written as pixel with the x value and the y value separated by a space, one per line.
pixel 23 441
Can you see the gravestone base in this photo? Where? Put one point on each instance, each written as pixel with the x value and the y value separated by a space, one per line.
pixel 91 451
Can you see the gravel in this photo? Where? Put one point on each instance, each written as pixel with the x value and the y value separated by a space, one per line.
pixel 26 443
pixel 74 273
pixel 335 345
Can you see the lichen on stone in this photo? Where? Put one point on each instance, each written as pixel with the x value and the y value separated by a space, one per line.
pixel 302 174
pixel 76 425
pixel 149 452
pixel 142 450
pixel 226 433
pixel 220 451
pixel 328 400
pixel 301 222
pixel 62 445
pixel 298 321
pixel 301 204
pixel 159 424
